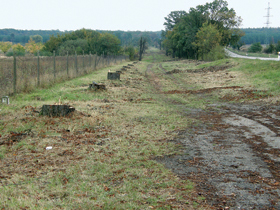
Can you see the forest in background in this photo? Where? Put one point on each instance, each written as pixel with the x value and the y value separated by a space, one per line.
pixel 252 35
pixel 126 37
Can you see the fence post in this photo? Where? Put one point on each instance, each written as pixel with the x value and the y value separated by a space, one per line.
pixel 95 61
pixel 103 61
pixel 15 73
pixel 67 65
pixel 38 69
pixel 84 60
pixel 54 70
pixel 76 63
pixel 89 58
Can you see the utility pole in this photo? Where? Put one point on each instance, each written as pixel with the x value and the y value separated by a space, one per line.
pixel 267 23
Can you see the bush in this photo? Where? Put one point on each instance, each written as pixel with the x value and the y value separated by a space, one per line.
pixel 256 47
pixel 217 53
pixel 277 47
pixel 17 53
pixel 44 53
pixel 131 52
pixel 17 49
pixel 270 49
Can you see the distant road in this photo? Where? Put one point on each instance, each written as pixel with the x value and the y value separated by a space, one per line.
pixel 234 55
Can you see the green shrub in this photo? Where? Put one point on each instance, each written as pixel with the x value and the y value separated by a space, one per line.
pixel 215 54
pixel 256 47
pixel 270 49
pixel 17 53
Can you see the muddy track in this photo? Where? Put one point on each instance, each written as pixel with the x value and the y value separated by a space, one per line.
pixel 233 154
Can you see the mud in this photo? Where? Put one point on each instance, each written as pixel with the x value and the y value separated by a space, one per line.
pixel 232 155
pixel 232 150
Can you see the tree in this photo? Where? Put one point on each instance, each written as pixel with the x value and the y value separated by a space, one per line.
pixel 37 38
pixel 108 44
pixel 277 47
pixel 207 38
pixel 131 51
pixel 33 47
pixel 173 18
pixel 142 45
pixel 5 46
pixel 78 46
pixel 256 47
pixel 17 49
pixel 183 33
pixel 270 49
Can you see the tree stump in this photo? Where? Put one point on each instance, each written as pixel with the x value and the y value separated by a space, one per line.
pixel 97 86
pixel 56 110
pixel 113 76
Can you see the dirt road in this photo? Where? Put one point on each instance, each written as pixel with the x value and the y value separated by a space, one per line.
pixel 232 153
pixel 234 55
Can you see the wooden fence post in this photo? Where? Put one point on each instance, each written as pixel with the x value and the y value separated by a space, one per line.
pixel 38 69
pixel 67 64
pixel 90 59
pixel 76 63
pixel 54 70
pixel 95 61
pixel 103 61
pixel 15 73
pixel 83 60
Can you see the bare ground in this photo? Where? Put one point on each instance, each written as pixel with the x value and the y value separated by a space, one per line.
pixel 232 153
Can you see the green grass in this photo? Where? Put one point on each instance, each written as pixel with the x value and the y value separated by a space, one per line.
pixel 121 173
pixel 117 169
pixel 263 55
pixel 263 75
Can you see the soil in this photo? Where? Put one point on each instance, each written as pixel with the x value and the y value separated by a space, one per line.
pixel 232 152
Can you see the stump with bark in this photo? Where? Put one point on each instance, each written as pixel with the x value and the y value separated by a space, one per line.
pixel 56 110
pixel 97 86
pixel 113 76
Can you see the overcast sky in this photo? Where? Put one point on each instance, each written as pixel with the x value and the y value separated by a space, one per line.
pixel 126 15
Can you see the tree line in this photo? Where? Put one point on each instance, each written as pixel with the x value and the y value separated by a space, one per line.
pixel 262 35
pixel 126 38
pixel 202 32
pixel 83 41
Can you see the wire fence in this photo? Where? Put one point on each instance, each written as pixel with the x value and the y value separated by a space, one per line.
pixel 23 74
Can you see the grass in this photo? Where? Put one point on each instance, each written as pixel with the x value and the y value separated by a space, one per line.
pixel 262 75
pixel 263 55
pixel 103 156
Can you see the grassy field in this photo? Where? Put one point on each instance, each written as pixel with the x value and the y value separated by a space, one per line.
pixel 262 55
pixel 103 156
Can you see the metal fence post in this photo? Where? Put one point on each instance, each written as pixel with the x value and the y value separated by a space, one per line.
pixel 38 69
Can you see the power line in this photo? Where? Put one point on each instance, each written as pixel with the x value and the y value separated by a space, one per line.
pixel 267 22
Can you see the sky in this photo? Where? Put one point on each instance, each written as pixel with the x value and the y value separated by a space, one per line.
pixel 125 15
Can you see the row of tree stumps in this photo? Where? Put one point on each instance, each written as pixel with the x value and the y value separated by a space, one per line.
pixel 62 110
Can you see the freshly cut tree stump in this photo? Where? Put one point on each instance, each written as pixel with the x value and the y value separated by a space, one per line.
pixel 56 110
pixel 113 76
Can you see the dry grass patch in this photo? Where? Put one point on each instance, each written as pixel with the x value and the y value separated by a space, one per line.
pixel 101 157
